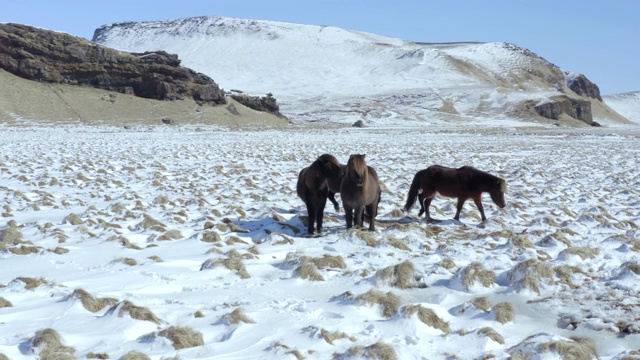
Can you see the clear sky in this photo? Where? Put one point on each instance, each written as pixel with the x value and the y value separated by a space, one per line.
pixel 597 38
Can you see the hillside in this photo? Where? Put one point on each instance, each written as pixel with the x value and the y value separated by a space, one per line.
pixel 321 73
pixel 627 104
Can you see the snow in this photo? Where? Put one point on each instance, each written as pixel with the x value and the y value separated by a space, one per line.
pixel 627 104
pixel 562 251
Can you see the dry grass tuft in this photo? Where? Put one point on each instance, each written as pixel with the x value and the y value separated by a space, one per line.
pixel 504 312
pixel 365 236
pixel 476 273
pixel 182 337
pixel 447 263
pixel 390 302
pixel 329 261
pixel 25 250
pixel 377 351
pixel 585 253
pixel 233 262
pixel 578 349
pixel 428 317
pixel 232 239
pixel 529 273
pixel 93 355
pixel 5 303
pixel 522 241
pixel 401 276
pixel 135 355
pixel 32 283
pixel 198 314
pixel 565 272
pixel 136 312
pixel 491 334
pixel 72 219
pixel 210 237
pixel 59 250
pixel 170 235
pixel 307 270
pixel 149 223
pixel 48 344
pixel 482 303
pixel 397 243
pixel 238 316
pixel 3 357
pixel 10 236
pixel 633 266
pixel 330 337
pixel 92 303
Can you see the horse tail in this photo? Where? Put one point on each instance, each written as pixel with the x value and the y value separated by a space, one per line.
pixel 413 193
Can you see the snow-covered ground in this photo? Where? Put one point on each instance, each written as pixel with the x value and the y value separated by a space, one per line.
pixel 627 104
pixel 185 242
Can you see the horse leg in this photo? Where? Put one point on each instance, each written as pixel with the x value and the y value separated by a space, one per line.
pixel 421 200
pixel 332 198
pixel 478 202
pixel 359 216
pixel 459 208
pixel 348 215
pixel 427 204
pixel 373 211
pixel 320 214
pixel 311 214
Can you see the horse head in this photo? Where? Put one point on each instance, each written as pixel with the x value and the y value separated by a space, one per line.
pixel 497 193
pixel 357 169
pixel 332 170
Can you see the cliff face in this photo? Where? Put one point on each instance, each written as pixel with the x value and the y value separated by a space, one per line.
pixel 48 56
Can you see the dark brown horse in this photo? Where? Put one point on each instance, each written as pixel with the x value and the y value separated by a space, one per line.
pixel 360 192
pixel 463 183
pixel 314 188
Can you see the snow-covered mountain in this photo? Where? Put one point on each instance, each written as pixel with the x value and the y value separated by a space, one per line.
pixel 627 104
pixel 333 74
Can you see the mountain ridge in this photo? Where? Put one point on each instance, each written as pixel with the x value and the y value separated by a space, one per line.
pixel 324 73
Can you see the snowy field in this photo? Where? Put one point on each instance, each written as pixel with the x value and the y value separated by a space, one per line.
pixel 189 243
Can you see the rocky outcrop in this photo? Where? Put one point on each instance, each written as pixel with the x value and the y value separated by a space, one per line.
pixel 47 56
pixel 265 103
pixel 559 105
pixel 584 87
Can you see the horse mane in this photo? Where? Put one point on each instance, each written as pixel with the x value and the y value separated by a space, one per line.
pixel 486 178
pixel 357 163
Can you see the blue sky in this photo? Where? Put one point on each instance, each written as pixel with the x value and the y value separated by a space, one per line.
pixel 596 38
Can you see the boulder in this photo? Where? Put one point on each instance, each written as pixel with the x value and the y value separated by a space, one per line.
pixel 559 105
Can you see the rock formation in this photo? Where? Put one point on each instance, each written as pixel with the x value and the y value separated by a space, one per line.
pixel 53 57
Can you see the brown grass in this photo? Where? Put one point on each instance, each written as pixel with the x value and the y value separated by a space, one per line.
pixel 25 250
pixel 210 237
pixel 182 337
pixel 377 351
pixel 447 263
pixel 92 303
pixel 32 283
pixel 149 223
pixel 136 312
pixel 135 355
pixel 72 219
pixel 504 312
pixel 475 273
pixel 534 271
pixel 585 253
pixel 238 316
pixel 491 334
pixel 389 301
pixel 307 270
pixel 578 349
pixel 48 344
pixel 5 303
pixel 401 276
pixel 427 316
pixel 482 303
pixel 233 262
pixel 170 235
pixel 93 355
pixel 331 336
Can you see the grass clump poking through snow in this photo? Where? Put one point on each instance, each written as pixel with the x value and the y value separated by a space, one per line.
pixel 475 273
pixel 529 274
pixel 377 351
pixel 238 316
pixel 491 334
pixel 578 348
pixel 135 355
pixel 233 262
pixel 47 344
pixel 331 336
pixel 401 276
pixel 427 316
pixel 481 302
pixel 390 302
pixel 5 303
pixel 92 303
pixel 136 312
pixel 504 312
pixel 308 268
pixel 182 337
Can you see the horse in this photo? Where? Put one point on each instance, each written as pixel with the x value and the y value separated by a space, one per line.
pixel 314 188
pixel 464 183
pixel 360 192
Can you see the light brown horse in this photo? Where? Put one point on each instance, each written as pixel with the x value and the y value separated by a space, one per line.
pixel 463 183
pixel 360 192
pixel 314 188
